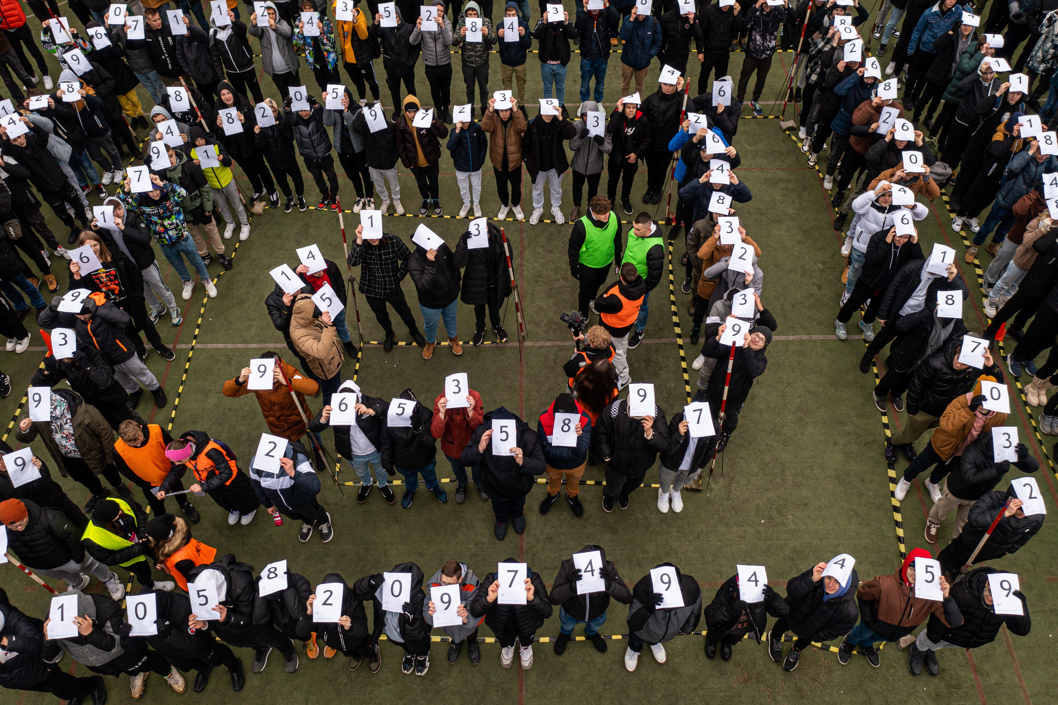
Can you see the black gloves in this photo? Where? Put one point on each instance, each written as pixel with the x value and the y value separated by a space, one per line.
pixel 577 575
pixel 375 582
pixel 768 592
pixel 977 401
pixel 655 601
pixel 598 139
pixel 1022 452
pixel 607 574
pixel 125 630
pixel 575 273
pixel 406 609
pixel 583 132
pixel 165 629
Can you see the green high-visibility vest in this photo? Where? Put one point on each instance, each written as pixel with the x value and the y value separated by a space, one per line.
pixel 598 248
pixel 636 250
pixel 110 540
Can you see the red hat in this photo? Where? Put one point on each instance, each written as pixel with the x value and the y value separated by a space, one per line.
pixel 910 560
pixel 12 511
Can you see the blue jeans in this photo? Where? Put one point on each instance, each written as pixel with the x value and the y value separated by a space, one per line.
pixel 83 167
pixel 644 312
pixel 891 24
pixel 431 316
pixel 589 68
pixel 341 327
pixel 1049 108
pixel 153 83
pixel 196 10
pixel 999 218
pixel 360 463
pixel 554 73
pixel 429 476
pixel 460 471
pixel 20 281
pixel 185 246
pixel 856 260
pixel 862 635
pixel 590 628
pixel 523 9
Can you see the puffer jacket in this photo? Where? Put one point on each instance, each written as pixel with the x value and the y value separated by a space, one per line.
pixel 1022 173
pixel 468 146
pixel 174 640
pixel 727 608
pixel 1010 534
pixel 429 138
pixel 978 472
pixel 399 627
pixel 104 331
pixel 956 423
pixel 354 39
pixel 763 25
pixel 49 540
pixel 676 35
pixel 233 52
pixel 485 276
pixel 93 437
pixel 286 608
pixel 274 488
pixel 588 155
pixel 920 184
pixel 380 148
pixel 277 144
pixel 594 31
pixel 533 145
pixel 872 217
pixel 316 341
pixel 888 605
pixel 353 639
pixel 969 60
pixel 642 41
pixel 435 46
pixel 474 53
pixel 399 54
pixel 673 454
pixel 935 382
pixel 409 447
pixel 436 282
pixel 552 40
pixel 866 114
pixel 853 91
pixel 505 136
pixel 163 218
pixel 591 605
pixel 468 587
pixel 238 628
pixel 277 404
pixel 341 124
pixel 980 624
pixel 883 259
pixel 507 619
pixel 516 53
pixel 310 134
pixel 976 93
pixel 89 375
pixel 946 47
pixel 502 477
pixel 885 154
pixel 663 112
pixel 812 618
pixel 622 443
pixel 719 26
pixel 655 626
pixel 24 667
pixel 11 15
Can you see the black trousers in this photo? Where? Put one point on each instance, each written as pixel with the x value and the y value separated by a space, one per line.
pixel 781 627
pixel 657 169
pixel 620 168
pixel 325 76
pixel 860 293
pixel 23 37
pixel 133 661
pixel 10 326
pixel 619 485
pixel 480 75
pixel 507 637
pixel 209 90
pixel 322 171
pixel 440 80
pixel 257 171
pixel 78 469
pixel 418 648
pixel 142 571
pixel 207 657
pixel 578 186
pixel 894 382
pixel 258 638
pixel 929 101
pixel 158 505
pixel 312 513
pixel 35 223
pixel 730 638
pixel 243 81
pixel 281 174
pixel 749 65
pixel 64 686
pixel 852 163
pixel 363 76
pixel 136 307
pixel 956 139
pixel 393 83
pixel 356 171
pixel 916 74
pixel 236 497
pixel 399 304
pixel 285 80
pixel 838 147
pixel 1039 335
pixel 509 186
pixel 426 178
pixel 494 315
pixel 714 62
pixel 58 201
pixel 1021 306
pixel 591 279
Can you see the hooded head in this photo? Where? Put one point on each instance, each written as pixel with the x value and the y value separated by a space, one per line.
pixel 471 5
pixel 909 562
pixel 159 110
pixel 411 106
pixel 68 76
pixel 588 106
pixel 511 6
pixel 212 575
pixel 160 528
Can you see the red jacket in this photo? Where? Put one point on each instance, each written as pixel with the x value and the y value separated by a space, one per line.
pixel 11 14
pixel 456 429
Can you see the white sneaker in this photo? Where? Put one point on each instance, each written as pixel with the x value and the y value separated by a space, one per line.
pixel 698 362
pixel 502 212
pixel 659 652
pixel 868 331
pixel 518 212
pixel 839 331
pixel 244 232
pixel 48 85
pixel 164 585
pixel 137 683
pixel 398 207
pixel 802 134
pixel 956 223
pixel 535 217
pixel 106 178
pixel 677 502
pixel 174 679
pixel 990 309
pixel 119 176
pixel 507 656
pixel 974 225
pixel 22 345
pixel 384 206
pixel 559 218
pixel 369 203
pixel 890 68
pixel 663 501
pixel 247 518
pixel 846 247
pixel 228 230
pixel 477 211
pixel 525 657
pixel 464 210
pixel 211 289
pixel 934 491
pixel 828 182
pixel 11 344
pixel 901 489
pixel 233 518
pixel 631 660
pixel 189 286
pixel 115 588
pixel 357 205
pixel 79 587
pixel 806 145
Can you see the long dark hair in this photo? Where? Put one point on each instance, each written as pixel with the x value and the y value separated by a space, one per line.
pixel 595 386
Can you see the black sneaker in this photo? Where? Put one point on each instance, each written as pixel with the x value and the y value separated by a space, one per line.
pixel 686 285
pixel 350 348
pixel 914 660
pixel 190 512
pixel 362 493
pixel 160 400
pixel 622 502
pixel 407 498
pixel 238 678
pixel 305 534
pixel 873 658
pixel 791 661
pixel 626 205
pixel 436 211
pixel 547 503
pixel 274 199
pixel 865 364
pixel 202 680
pixel 260 660
pixel 422 665
pixel 519 524
pixel 5 386
pixel 710 650
pixel 560 644
pixel 407 666
pixel 419 339
pixel 909 452
pixel 898 403
pixel 932 667
pixel 207 259
pixel 607 504
pixel 879 401
pixel 725 652
pixel 423 210
pixel 461 494
pixel 302 206
pixel 474 652
pixel 387 344
pixel 501 335
pixel 374 659
pixel 167 354
pixel 326 529
pixel 454 651
pixel 890 453
pixel 598 642
pixel 500 531
pixel 440 494
pixel 844 652
pixel 90 505
pixel 225 262
pixel 775 650
pixel 290 663
pixel 288 205
pixel 387 494
pixel 576 506
pixel 696 333
pixel 635 338
pixel 479 337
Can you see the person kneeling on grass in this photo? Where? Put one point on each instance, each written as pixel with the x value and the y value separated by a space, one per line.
pixel 588 608
pixel 889 610
pixel 292 490
pixel 651 624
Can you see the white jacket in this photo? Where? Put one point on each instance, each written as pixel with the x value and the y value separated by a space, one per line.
pixel 869 219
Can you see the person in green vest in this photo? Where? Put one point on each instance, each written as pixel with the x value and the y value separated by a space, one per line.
pixel 646 250
pixel 594 245
pixel 115 536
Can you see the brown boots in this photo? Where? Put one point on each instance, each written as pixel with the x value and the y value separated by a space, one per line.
pixel 457 349
pixel 427 350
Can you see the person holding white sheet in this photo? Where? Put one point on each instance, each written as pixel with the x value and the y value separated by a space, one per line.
pixel 682 462
pixel 435 43
pixel 544 154
pixel 650 624
pixel 349 634
pixel 629 445
pixel 278 58
pixel 589 608
pixel 762 22
pixel 316 339
pixel 589 154
pixel 469 146
pixel 411 449
pixel 436 280
pixel 750 362
pixel 419 149
pixel 231 49
pixel 456 573
pixel 475 54
pixel 513 623
pixel 729 618
pixel 351 150
pixel 380 154
pixel 506 126
pixel 509 477
pixel 486 281
pixel 287 609
pixel 821 608
pixel 514 52
pixel 566 460
pixel 454 427
pixel 1014 530
pixel 292 490
pixel 384 265
pixel 552 39
pixel 319 51
pixel 630 132
pixel 216 472
pixel 314 144
pixel 407 627
pixel 241 147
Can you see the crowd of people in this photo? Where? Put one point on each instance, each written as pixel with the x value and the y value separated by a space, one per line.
pixel 69 138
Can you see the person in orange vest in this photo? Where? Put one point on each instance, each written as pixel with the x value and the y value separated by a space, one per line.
pixel 216 473
pixel 140 451
pixel 176 551
pixel 618 309
pixel 594 344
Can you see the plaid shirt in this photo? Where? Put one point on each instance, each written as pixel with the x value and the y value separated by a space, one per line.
pixel 384 265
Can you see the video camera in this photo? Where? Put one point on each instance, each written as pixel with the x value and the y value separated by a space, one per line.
pixel 575 320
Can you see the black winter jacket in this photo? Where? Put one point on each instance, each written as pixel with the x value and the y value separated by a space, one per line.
pixel 286 608
pixel 903 285
pixel 485 275
pixel 629 135
pixel 676 35
pixel 413 629
pixel 44 491
pixel 1043 273
pixel 233 53
pixel 89 375
pixel 663 112
pixel 240 145
pixel 311 134
pixel 946 49
pixel 727 607
pixel 104 331
pixel 594 32
pixel 883 259
pixel 719 26
pixel 336 636
pixel 812 618
pixel 1010 533
pixel 238 628
pixel 673 454
pixel 501 476
pixel 532 146
pixel 409 448
pixel 980 622
pixel 24 668
pixel 978 473
pixel 508 619
pixel 749 364
pixel 280 312
pixel 33 162
pixel 370 425
pixel 588 607
pixel 936 382
pixel 179 645
pixel 469 147
pixel 885 154
pixel 622 442
pixel 277 143
pixel 915 329
pixel 136 238
pixel 48 541
pixel 112 58
pixel 380 148
pixel 194 56
pixel 436 282
pixel 552 40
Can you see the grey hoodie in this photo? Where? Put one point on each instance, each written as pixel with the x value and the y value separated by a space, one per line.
pixel 436 46
pixel 184 128
pixel 276 44
pixel 587 154
pixel 467 586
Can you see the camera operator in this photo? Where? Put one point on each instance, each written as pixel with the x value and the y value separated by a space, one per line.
pixel 618 309
pixel 594 244
pixel 591 346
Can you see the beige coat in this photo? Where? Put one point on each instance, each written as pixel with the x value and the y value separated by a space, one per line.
pixel 317 342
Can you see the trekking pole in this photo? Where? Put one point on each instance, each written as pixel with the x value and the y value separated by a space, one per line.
pixel 198 113
pixel 672 162
pixel 514 287
pixel 15 562
pixel 352 279
pixel 722 416
pixel 315 442
pixel 984 539
pixel 785 125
